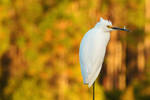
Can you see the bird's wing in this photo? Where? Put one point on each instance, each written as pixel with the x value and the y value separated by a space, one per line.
pixel 97 65
pixel 92 51
pixel 83 56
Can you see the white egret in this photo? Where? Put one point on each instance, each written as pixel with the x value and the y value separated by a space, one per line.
pixel 92 50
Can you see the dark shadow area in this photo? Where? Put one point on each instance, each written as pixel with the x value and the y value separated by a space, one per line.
pixel 5 62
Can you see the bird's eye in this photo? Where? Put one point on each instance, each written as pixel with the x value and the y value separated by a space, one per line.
pixel 108 26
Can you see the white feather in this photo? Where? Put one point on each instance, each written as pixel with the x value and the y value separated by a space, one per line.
pixel 92 51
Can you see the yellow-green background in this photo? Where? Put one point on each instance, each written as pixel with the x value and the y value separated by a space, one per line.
pixel 39 45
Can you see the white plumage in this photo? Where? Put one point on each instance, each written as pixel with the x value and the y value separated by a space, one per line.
pixel 92 50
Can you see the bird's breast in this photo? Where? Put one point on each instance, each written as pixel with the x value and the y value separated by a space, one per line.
pixel 101 38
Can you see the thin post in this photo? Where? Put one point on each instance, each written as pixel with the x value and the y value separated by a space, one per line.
pixel 94 91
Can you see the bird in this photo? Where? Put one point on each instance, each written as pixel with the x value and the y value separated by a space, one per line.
pixel 92 50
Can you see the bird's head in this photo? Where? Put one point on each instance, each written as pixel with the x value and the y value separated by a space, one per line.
pixel 106 25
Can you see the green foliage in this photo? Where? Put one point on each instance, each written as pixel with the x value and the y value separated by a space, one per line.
pixel 32 89
pixel 41 39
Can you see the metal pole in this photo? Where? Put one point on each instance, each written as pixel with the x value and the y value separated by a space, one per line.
pixel 94 91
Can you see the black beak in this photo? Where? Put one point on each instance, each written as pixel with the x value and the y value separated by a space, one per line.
pixel 121 29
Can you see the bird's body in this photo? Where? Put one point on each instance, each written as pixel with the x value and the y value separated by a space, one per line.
pixel 92 52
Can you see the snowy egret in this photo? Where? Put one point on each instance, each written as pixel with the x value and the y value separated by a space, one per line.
pixel 92 50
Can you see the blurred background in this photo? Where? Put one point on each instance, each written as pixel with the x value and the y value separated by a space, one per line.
pixel 39 46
